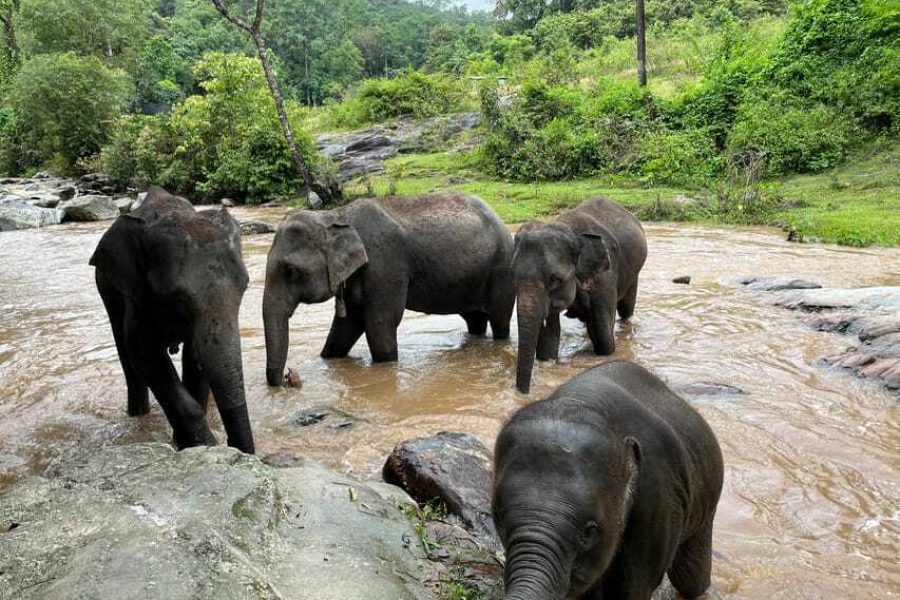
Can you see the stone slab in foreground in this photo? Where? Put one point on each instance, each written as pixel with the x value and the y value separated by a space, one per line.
pixel 145 522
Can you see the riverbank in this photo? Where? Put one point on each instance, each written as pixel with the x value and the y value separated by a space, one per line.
pixel 857 204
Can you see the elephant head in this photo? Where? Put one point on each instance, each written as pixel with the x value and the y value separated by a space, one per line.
pixel 554 267
pixel 562 496
pixel 313 254
pixel 183 273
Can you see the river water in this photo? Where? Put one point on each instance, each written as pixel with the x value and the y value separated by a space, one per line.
pixel 811 506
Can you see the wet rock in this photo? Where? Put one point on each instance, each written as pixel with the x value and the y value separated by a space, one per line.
pixel 134 522
pixel 141 198
pixel 872 315
pixel 683 280
pixel 292 379
pixel 710 388
pixel 227 202
pixel 20 215
pixel 452 468
pixel 364 152
pixel 860 299
pixel 255 228
pixel 324 416
pixel 771 284
pixel 124 205
pixel 90 208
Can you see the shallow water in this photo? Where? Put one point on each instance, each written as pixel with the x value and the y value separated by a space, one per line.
pixel 811 506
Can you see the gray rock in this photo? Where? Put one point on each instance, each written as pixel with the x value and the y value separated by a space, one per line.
pixel 453 468
pixel 135 522
pixel 44 200
pixel 682 280
pixel 20 215
pixel 255 228
pixel 227 202
pixel 90 208
pixel 771 284
pixel 124 205
pixel 861 299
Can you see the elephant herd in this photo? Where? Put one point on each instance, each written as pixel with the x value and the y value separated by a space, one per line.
pixel 600 490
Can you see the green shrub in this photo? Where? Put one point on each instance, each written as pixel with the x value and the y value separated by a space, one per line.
pixel 63 107
pixel 411 95
pixel 794 137
pixel 620 99
pixel 227 142
pixel 687 157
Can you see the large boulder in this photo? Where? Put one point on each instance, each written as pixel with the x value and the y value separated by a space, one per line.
pixel 90 208
pixel 20 215
pixel 454 469
pixel 142 521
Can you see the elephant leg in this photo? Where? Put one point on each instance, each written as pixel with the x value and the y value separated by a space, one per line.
pixel 601 326
pixel 382 317
pixel 477 322
pixel 138 392
pixel 344 334
pixel 548 340
pixel 184 412
pixel 626 304
pixel 195 381
pixel 501 301
pixel 690 571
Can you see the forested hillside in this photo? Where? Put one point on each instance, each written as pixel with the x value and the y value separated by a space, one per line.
pixel 743 96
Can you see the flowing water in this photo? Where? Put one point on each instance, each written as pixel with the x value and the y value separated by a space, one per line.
pixel 811 506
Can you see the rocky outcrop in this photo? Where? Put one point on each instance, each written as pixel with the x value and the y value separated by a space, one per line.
pixel 255 228
pixel 452 469
pixel 90 208
pixel 871 315
pixel 710 388
pixel 20 215
pixel 144 521
pixel 365 152
pixel 772 284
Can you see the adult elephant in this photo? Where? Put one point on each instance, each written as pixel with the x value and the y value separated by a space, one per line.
pixel 586 261
pixel 442 253
pixel 605 487
pixel 169 275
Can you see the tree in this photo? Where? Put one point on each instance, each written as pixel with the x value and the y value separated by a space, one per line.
pixel 105 28
pixel 641 42
pixel 327 194
pixel 64 107
pixel 8 10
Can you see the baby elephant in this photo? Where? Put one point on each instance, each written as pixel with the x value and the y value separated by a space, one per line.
pixel 605 487
pixel 169 275
pixel 436 254
pixel 586 261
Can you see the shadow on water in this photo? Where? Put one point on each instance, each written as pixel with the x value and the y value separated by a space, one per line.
pixel 811 503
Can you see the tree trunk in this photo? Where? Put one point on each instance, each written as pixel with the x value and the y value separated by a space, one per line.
pixel 9 32
pixel 329 194
pixel 641 42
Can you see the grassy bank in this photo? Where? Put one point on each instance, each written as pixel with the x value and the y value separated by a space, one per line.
pixel 857 204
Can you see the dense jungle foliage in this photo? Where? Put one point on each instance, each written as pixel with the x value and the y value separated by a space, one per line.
pixel 168 91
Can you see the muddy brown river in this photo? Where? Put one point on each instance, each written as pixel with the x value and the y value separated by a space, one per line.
pixel 811 506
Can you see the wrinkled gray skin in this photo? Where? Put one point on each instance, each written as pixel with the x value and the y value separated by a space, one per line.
pixel 605 487
pixel 169 275
pixel 586 261
pixel 437 254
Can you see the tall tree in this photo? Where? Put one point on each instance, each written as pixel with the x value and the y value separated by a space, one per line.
pixel 641 42
pixel 329 194
pixel 8 10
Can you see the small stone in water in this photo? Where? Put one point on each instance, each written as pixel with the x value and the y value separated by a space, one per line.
pixel 684 280
pixel 292 379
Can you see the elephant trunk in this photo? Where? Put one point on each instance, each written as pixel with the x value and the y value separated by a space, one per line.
pixel 531 309
pixel 275 319
pixel 536 567
pixel 220 358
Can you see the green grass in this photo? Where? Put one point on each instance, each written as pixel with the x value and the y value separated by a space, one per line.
pixel 857 204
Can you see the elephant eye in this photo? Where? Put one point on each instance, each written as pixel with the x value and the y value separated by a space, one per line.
pixel 556 282
pixel 590 535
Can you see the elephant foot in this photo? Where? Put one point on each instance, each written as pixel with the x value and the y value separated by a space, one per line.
pixel 138 404
pixel 201 437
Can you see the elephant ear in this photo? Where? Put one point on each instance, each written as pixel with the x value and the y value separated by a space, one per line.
pixel 120 256
pixel 593 258
pixel 345 253
pixel 525 228
pixel 632 470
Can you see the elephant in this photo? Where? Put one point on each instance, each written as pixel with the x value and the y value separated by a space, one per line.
pixel 441 253
pixel 604 487
pixel 586 261
pixel 169 275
